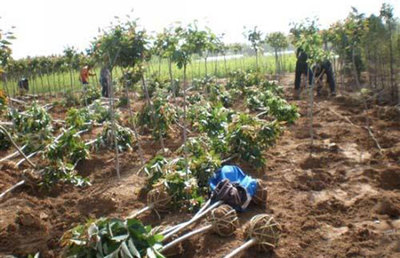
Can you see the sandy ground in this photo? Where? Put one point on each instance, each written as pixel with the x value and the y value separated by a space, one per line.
pixel 343 199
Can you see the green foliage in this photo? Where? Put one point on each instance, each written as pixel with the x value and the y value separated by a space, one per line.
pixel 69 148
pixel 250 137
pixel 101 113
pixel 71 99
pixel 277 40
pixel 3 100
pixel 240 79
pixel 203 160
pixel 32 127
pixel 124 44
pixel 5 142
pixel 35 119
pixel 78 118
pixel 165 115
pixel 5 46
pixel 182 186
pixel 61 172
pixel 212 120
pixel 92 93
pixel 255 38
pixel 112 238
pixel 275 106
pixel 154 84
pixel 123 101
pixel 124 137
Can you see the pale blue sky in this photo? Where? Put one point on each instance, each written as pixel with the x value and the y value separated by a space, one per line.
pixel 45 27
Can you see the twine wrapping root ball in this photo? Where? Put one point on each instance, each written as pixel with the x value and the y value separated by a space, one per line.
pixel 224 220
pixel 265 230
pixel 260 198
pixel 159 199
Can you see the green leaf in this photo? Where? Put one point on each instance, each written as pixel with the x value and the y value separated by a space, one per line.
pixel 125 250
pixel 133 249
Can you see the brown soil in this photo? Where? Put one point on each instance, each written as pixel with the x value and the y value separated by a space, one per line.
pixel 341 200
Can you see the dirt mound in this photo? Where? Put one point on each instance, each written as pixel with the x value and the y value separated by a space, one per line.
pixel 313 180
pixel 95 206
pixel 388 206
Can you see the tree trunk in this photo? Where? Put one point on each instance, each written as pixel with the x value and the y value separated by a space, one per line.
pixel 355 68
pixel 184 122
pixel 277 68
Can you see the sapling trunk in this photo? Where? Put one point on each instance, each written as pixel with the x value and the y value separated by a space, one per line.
pixel 225 66
pixel 48 80
pixel 184 122
pixel 223 220
pixel 72 82
pixel 206 205
pixel 205 66
pixel 242 248
pixel 12 188
pixel 355 72
pixel 13 155
pixel 277 65
pixel 216 66
pixel 263 231
pixel 172 80
pixel 134 128
pixel 113 126
pixel 16 146
pixel 186 236
pixel 153 112
pixel 191 221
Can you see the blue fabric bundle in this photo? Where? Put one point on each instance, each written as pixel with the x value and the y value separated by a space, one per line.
pixel 236 176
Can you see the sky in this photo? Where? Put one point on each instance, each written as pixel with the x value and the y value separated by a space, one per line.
pixel 45 27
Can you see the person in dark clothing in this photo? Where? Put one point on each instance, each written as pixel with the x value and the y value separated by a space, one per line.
pixel 23 85
pixel 105 81
pixel 301 68
pixel 321 69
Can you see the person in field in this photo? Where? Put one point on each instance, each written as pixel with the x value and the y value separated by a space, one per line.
pixel 321 69
pixel 302 67
pixel 84 75
pixel 105 81
pixel 23 86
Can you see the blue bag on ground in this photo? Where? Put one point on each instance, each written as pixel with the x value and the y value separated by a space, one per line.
pixel 236 177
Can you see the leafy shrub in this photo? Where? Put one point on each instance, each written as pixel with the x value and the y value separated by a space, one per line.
pixel 71 99
pixel 92 93
pixel 69 148
pixel 276 107
pixel 32 127
pixel 3 101
pixel 78 118
pixel 212 120
pixel 240 80
pixel 63 172
pixel 112 238
pixel 124 137
pixel 33 120
pixel 181 184
pixel 165 115
pixel 248 137
pixel 5 142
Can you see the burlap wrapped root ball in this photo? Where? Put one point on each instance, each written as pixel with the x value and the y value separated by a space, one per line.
pixel 260 198
pixel 159 198
pixel 265 230
pixel 224 220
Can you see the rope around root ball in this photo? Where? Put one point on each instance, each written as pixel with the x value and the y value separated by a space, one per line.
pixel 260 198
pixel 224 220
pixel 159 199
pixel 265 230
